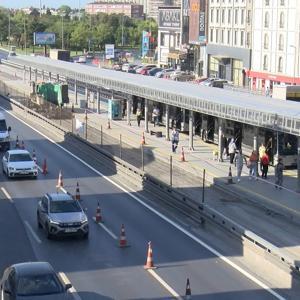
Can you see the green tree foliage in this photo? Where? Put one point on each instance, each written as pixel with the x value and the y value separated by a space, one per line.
pixel 99 29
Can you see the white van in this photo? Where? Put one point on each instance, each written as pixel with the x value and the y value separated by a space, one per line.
pixel 4 134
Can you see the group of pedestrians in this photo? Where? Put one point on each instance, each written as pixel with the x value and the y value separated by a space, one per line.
pixel 260 158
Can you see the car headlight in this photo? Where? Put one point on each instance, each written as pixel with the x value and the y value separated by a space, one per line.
pixel 84 221
pixel 11 168
pixel 53 222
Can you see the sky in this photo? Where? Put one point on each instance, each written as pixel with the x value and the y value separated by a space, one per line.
pixel 47 3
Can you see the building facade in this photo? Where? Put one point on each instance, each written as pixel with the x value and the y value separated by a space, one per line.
pixel 169 36
pixel 153 6
pixel 131 10
pixel 229 40
pixel 275 43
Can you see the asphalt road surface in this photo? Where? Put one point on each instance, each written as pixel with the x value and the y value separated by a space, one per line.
pixel 97 267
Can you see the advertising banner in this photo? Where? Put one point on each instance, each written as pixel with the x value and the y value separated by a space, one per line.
pixel 44 38
pixel 197 22
pixel 109 51
pixel 185 8
pixel 145 43
pixel 169 17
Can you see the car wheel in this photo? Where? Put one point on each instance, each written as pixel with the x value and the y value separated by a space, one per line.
pixel 38 221
pixel 48 234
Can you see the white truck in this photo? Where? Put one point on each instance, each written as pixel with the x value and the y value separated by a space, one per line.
pixel 4 134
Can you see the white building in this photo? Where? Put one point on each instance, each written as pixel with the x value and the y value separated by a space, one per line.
pixel 275 43
pixel 229 39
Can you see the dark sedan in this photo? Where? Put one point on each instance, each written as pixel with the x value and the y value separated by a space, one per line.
pixel 34 281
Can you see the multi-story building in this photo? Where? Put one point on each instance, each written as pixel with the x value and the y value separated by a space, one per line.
pixel 275 43
pixel 131 10
pixel 229 39
pixel 153 5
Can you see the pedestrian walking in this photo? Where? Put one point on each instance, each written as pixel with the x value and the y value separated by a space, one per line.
pixel 223 153
pixel 252 163
pixel 155 115
pixel 174 139
pixel 239 163
pixel 261 152
pixel 265 165
pixel 231 150
pixel 279 173
pixel 138 116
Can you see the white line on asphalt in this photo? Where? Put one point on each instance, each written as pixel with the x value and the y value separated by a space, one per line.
pixel 37 239
pixel 164 284
pixel 193 237
pixel 106 229
pixel 63 190
pixel 72 290
pixel 7 195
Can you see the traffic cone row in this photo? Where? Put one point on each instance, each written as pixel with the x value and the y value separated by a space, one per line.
pixel 188 293
pixel 17 142
pixel 149 263
pixel 34 156
pixel 60 183
pixel 22 145
pixel 182 155
pixel 45 169
pixel 123 241
pixel 229 180
pixel 143 140
pixel 77 193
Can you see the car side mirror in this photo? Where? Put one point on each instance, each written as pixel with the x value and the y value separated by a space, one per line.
pixel 9 128
pixel 68 286
pixel 7 291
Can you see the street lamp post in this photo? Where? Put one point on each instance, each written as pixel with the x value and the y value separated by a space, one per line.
pixel 275 126
pixel 62 32
pixel 9 30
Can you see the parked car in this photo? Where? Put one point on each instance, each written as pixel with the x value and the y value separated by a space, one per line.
pixel 153 71
pixel 34 281
pixel 128 67
pixel 181 76
pixel 164 71
pixel 60 215
pixel 144 69
pixel 90 55
pixel 19 163
pixel 214 82
pixel 117 67
pixel 81 59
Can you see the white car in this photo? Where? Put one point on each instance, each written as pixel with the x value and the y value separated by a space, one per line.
pixel 19 163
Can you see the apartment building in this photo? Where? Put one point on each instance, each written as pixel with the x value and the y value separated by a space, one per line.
pixel 153 5
pixel 275 43
pixel 229 39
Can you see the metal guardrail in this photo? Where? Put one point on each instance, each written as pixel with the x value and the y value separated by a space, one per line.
pixel 226 111
pixel 202 209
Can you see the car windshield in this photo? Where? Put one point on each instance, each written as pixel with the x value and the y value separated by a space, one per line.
pixel 42 284
pixel 20 157
pixel 3 125
pixel 65 206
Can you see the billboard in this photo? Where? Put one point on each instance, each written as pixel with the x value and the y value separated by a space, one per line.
pixel 169 17
pixel 145 43
pixel 197 22
pixel 109 51
pixel 44 38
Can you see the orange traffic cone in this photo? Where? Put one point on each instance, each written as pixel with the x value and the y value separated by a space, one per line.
pixel 123 241
pixel 34 156
pixel 149 263
pixel 108 124
pixel 188 294
pixel 229 180
pixel 22 145
pixel 143 141
pixel 60 180
pixel 45 169
pixel 182 155
pixel 77 194
pixel 98 217
pixel 17 142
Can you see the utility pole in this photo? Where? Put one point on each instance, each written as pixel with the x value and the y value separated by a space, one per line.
pixel 25 37
pixel 9 30
pixel 62 32
pixel 122 42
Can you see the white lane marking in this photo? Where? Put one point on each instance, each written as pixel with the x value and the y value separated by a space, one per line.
pixel 35 236
pixel 203 244
pixel 7 195
pixel 107 230
pixel 72 290
pixel 63 190
pixel 164 284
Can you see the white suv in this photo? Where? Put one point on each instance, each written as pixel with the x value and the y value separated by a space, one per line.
pixel 19 163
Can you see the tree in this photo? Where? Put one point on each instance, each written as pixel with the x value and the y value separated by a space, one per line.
pixel 65 10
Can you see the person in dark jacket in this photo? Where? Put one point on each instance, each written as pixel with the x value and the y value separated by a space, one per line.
pixel 264 160
pixel 279 173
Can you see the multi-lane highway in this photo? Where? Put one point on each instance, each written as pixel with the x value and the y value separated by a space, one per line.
pixel 97 267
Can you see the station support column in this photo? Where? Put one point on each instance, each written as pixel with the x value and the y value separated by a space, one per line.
pixel 75 91
pixel 128 107
pixel 220 133
pixel 57 77
pixel 146 115
pixel 43 75
pixel 191 130
pixel 98 101
pixel 255 142
pixel 49 76
pixel 35 75
pixel 167 123
pixel 24 73
pixel 30 75
pixel 86 97
pixel 298 166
